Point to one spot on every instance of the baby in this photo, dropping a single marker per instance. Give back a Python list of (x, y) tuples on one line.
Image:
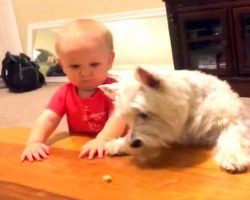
[(85, 52)]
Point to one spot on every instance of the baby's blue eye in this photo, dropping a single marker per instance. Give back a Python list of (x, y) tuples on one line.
[(94, 64), (74, 66)]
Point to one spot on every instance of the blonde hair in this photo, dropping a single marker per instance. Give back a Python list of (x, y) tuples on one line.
[(79, 27)]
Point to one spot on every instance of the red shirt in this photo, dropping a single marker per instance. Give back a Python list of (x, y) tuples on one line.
[(84, 115)]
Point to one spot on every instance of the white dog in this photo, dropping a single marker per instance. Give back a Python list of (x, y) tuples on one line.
[(181, 107)]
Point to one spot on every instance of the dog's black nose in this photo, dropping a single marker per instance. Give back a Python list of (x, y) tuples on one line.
[(135, 143)]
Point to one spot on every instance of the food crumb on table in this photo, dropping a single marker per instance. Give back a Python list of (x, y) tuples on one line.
[(107, 178)]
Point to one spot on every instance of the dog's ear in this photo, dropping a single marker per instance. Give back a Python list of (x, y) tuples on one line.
[(147, 78), (109, 89)]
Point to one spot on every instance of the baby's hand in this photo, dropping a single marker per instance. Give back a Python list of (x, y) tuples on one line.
[(35, 151), (92, 148)]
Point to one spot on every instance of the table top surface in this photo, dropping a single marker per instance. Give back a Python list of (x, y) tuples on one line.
[(189, 173)]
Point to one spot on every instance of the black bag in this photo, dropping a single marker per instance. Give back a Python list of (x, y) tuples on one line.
[(20, 74)]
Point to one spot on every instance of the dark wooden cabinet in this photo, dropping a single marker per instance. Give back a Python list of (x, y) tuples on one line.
[(214, 37), (242, 38)]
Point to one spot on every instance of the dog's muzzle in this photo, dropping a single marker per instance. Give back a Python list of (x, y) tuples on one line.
[(136, 143)]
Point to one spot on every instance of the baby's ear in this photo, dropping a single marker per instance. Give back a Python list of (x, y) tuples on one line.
[(109, 89)]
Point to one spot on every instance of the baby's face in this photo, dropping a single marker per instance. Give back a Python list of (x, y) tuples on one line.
[(86, 63)]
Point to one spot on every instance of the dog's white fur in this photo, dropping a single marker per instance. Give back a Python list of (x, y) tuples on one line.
[(181, 107)]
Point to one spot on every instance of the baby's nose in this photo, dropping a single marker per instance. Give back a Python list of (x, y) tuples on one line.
[(84, 72)]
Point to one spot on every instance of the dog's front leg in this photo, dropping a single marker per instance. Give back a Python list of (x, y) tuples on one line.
[(118, 146), (233, 148)]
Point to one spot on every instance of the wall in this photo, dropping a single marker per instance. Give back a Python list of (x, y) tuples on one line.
[(140, 38), (9, 35), (33, 11), (45, 39)]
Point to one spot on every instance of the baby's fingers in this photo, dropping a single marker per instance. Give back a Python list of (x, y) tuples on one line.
[(23, 156), (92, 153), (46, 148), (26, 155), (42, 154), (88, 151), (101, 152), (29, 157), (84, 152), (36, 156)]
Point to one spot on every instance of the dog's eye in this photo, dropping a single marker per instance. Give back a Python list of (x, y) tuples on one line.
[(143, 115)]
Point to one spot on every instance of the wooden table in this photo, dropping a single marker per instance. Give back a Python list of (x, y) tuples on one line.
[(188, 174)]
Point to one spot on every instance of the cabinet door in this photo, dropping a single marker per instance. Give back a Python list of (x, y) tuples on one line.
[(205, 42), (242, 36)]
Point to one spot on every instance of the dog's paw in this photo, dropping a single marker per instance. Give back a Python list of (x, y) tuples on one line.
[(115, 147), (234, 162)]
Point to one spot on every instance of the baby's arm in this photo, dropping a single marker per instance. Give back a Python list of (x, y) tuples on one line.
[(114, 127), (42, 129)]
